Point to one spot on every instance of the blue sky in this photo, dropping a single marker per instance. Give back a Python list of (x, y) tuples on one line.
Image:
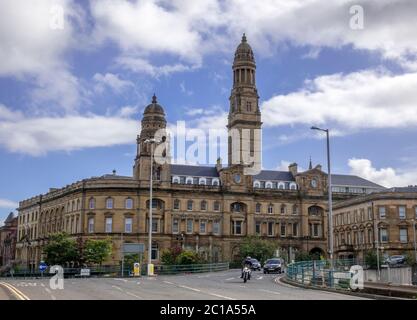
[(72, 94)]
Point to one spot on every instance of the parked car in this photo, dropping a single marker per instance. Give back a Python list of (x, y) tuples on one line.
[(256, 265), (396, 260), (273, 265)]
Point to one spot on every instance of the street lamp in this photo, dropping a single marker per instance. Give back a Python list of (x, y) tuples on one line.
[(151, 141), (329, 177)]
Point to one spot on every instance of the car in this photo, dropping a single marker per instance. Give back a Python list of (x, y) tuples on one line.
[(256, 265), (273, 265), (396, 260)]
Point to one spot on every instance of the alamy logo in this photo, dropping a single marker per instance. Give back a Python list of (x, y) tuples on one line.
[(56, 281), (356, 280), (357, 18)]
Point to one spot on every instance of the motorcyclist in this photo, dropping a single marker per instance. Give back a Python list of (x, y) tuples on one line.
[(247, 262)]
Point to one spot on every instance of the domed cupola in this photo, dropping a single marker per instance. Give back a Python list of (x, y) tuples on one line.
[(244, 53), (153, 116)]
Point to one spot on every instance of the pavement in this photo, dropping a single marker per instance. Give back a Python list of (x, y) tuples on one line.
[(225, 285)]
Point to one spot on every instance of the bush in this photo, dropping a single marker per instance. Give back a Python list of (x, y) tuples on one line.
[(371, 259), (187, 257), (169, 256)]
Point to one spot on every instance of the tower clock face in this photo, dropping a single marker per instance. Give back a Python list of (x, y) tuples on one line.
[(314, 183), (237, 178)]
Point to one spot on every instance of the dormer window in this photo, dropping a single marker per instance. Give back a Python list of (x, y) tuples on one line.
[(268, 185), (176, 179), (293, 186), (202, 181), (189, 180), (256, 184), (281, 185), (215, 182)]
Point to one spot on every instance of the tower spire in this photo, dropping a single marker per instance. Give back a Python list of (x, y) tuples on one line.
[(310, 166)]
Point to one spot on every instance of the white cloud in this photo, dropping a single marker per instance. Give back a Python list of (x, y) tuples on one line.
[(111, 81), (127, 111), (283, 166), (8, 204), (360, 100), (185, 90), (37, 136), (388, 177)]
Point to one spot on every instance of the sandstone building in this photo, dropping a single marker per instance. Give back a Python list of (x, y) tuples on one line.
[(210, 208)]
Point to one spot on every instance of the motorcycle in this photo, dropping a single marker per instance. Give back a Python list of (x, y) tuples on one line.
[(246, 274)]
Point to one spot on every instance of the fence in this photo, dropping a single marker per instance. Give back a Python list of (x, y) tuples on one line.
[(115, 271), (400, 276)]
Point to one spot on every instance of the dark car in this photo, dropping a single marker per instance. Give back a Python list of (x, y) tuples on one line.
[(273, 265), (256, 265)]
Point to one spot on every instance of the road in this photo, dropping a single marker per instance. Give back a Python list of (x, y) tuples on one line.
[(225, 285)]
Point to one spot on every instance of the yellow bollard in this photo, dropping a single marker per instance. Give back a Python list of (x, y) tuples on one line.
[(150, 269), (136, 269)]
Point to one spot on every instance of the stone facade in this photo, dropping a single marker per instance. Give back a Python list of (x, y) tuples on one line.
[(207, 209), (8, 239), (384, 219)]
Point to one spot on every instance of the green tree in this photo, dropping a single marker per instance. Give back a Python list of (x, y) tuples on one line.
[(169, 256), (410, 259), (258, 248), (371, 259), (61, 250), (97, 251), (302, 256), (130, 259), (188, 257)]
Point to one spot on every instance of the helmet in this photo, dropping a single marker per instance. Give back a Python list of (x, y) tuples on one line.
[(248, 257)]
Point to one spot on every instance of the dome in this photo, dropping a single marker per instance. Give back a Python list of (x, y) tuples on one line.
[(244, 51), (154, 107)]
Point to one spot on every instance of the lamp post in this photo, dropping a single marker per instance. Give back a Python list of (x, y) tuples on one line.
[(151, 141), (329, 178)]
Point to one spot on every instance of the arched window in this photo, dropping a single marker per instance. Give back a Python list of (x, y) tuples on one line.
[(281, 185), (268, 185), (176, 179), (109, 203), (283, 209), (237, 207), (190, 205), (78, 204), (92, 203), (270, 208), (73, 206), (202, 180), (203, 205), (256, 184), (315, 211), (215, 182), (129, 203), (258, 208), (189, 180), (293, 186)]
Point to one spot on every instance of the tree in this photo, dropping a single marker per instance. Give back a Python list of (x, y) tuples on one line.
[(302, 256), (371, 259), (188, 257), (97, 251), (257, 248), (169, 256), (61, 250)]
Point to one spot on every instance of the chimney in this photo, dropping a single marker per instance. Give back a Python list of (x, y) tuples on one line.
[(318, 167), (293, 168), (219, 164), (114, 172)]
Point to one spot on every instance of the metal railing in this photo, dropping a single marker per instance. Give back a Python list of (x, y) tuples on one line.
[(318, 274)]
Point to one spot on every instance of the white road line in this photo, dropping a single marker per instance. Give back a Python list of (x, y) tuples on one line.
[(229, 279), (138, 282), (133, 295), (124, 280), (269, 291), (189, 288), (259, 278), (220, 296), (168, 282), (47, 290), (42, 285), (118, 288)]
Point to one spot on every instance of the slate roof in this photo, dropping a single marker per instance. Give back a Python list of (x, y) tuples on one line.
[(197, 171), (348, 180), (274, 175), (403, 189)]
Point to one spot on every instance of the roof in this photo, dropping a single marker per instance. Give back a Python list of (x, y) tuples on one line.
[(9, 217), (187, 170), (403, 189), (348, 180), (274, 175)]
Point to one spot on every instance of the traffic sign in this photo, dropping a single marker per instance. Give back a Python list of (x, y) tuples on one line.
[(43, 266)]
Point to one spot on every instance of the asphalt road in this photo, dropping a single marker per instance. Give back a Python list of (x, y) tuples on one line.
[(225, 285)]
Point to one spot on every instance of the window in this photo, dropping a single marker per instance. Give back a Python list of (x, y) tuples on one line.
[(294, 229), (316, 228), (248, 106), (295, 209), (190, 226), (236, 207), (109, 203), (268, 185), (155, 203), (176, 204), (258, 208), (370, 240), (203, 205), (215, 182), (258, 228), (92, 204), (216, 206), (401, 212), (175, 226), (216, 227), (154, 225), (415, 211), (281, 185), (129, 203), (271, 208), (381, 211), (78, 205), (403, 235), (256, 184), (189, 180), (270, 228), (283, 209), (369, 213), (90, 225), (283, 230), (383, 235), (293, 186), (176, 179), (237, 227), (203, 226), (109, 224), (154, 255), (202, 181), (128, 225), (190, 205)]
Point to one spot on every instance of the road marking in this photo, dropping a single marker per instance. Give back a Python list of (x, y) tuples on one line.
[(229, 279), (220, 296), (278, 281), (124, 280), (42, 285), (133, 295), (118, 288), (168, 282), (189, 288), (19, 294), (269, 291), (259, 278), (47, 290), (138, 282)]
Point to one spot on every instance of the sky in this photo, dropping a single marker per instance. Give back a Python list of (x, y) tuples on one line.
[(75, 77)]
